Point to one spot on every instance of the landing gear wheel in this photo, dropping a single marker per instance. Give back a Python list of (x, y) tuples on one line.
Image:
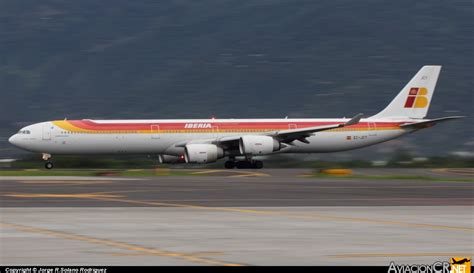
[(49, 165), (257, 164), (229, 164), (243, 164)]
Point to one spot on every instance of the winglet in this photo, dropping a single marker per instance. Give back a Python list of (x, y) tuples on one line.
[(354, 120)]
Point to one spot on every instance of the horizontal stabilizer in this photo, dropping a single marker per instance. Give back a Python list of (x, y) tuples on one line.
[(428, 123)]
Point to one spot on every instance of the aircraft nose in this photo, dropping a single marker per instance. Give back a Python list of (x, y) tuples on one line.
[(13, 140)]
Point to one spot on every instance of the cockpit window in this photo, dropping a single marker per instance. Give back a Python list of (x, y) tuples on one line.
[(24, 132)]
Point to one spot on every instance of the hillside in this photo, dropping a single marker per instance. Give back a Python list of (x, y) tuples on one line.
[(181, 59)]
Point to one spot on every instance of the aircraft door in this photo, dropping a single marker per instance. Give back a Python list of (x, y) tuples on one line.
[(155, 129), (47, 131), (215, 130), (372, 129)]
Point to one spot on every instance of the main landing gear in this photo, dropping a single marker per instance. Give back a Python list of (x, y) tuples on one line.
[(49, 164), (247, 164)]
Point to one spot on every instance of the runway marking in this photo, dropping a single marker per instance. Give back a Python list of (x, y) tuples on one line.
[(121, 245), (292, 215), (195, 254), (372, 255), (64, 182), (237, 173), (250, 175), (52, 195), (463, 171), (161, 190), (309, 199), (62, 178), (463, 186)]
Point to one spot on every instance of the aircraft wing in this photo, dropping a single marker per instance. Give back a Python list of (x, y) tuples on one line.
[(428, 123), (290, 135), (285, 136)]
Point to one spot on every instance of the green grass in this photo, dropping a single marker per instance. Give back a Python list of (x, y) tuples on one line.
[(393, 177)]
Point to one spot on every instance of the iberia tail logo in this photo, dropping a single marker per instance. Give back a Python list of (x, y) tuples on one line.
[(417, 98)]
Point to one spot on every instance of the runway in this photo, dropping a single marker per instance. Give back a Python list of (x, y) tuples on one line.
[(231, 189), (274, 217)]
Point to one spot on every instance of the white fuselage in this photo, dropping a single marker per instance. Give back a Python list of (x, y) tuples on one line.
[(160, 136)]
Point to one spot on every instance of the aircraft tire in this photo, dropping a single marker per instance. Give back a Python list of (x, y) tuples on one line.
[(243, 165), (49, 165), (229, 164), (257, 164)]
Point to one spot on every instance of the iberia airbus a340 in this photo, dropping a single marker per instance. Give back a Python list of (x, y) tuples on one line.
[(239, 140)]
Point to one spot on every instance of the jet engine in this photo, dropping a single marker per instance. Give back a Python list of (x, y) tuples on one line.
[(258, 145), (202, 153), (170, 159)]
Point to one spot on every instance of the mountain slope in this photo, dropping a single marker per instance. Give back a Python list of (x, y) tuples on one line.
[(173, 59)]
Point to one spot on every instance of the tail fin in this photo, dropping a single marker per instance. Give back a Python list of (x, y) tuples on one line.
[(414, 99)]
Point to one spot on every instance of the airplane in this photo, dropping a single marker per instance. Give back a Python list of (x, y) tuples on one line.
[(462, 261), (242, 141)]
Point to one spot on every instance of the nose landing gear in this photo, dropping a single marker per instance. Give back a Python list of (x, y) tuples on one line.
[(49, 164)]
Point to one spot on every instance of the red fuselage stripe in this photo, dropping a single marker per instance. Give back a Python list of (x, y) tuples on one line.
[(277, 125)]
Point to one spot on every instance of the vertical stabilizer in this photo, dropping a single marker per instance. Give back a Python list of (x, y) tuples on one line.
[(414, 99)]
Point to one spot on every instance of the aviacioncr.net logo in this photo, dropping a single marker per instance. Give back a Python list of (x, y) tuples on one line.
[(456, 265), (436, 267)]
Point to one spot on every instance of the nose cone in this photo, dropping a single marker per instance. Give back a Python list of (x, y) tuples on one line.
[(13, 140)]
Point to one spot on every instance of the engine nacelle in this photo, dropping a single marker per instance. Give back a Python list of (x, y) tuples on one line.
[(170, 159), (202, 153), (258, 145)]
